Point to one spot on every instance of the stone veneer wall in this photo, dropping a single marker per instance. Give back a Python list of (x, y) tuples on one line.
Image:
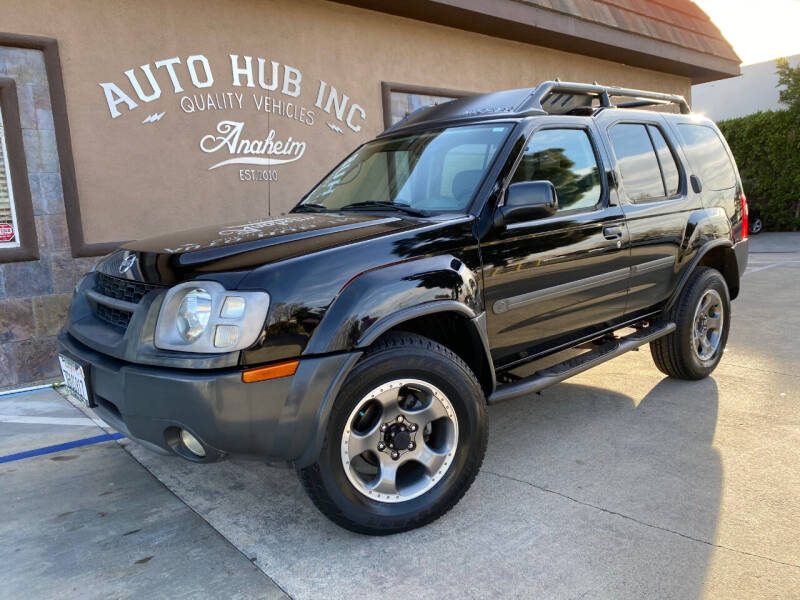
[(34, 295)]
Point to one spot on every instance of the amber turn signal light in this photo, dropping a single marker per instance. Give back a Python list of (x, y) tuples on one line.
[(283, 369)]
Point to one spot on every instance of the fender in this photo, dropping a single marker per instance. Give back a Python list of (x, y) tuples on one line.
[(314, 425), (375, 301), (703, 226), (706, 229), (385, 323), (699, 253)]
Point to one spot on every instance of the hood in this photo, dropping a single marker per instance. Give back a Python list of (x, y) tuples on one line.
[(171, 258)]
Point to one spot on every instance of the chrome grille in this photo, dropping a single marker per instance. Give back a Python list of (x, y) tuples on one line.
[(122, 289), (113, 316), (119, 289)]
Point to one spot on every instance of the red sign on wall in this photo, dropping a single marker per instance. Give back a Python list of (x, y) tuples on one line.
[(6, 232)]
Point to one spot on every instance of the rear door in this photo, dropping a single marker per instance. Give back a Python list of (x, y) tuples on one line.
[(656, 200), (554, 279)]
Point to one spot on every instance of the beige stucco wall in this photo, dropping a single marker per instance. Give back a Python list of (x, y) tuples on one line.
[(137, 179)]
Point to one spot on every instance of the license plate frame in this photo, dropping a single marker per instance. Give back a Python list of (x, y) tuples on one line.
[(76, 379)]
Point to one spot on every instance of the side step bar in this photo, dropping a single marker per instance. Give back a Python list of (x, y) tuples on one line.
[(558, 373)]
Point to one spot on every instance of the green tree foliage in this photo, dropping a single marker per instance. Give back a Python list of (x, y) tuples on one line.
[(789, 79), (766, 146)]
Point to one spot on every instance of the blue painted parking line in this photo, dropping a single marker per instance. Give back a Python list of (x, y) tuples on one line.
[(59, 447), (12, 393)]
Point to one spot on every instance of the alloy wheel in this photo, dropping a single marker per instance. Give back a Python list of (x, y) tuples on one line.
[(399, 440), (708, 324)]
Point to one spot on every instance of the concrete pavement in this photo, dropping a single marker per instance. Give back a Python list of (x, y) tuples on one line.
[(620, 483), (90, 522)]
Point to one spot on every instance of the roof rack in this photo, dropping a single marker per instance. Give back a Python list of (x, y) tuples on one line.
[(604, 93), (548, 98)]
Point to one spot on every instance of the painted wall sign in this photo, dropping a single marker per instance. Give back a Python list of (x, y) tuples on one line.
[(245, 85)]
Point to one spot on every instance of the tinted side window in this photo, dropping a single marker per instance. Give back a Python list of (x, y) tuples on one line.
[(641, 176), (564, 157), (669, 168), (708, 156)]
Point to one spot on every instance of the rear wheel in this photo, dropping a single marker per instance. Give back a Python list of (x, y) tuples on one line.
[(702, 315), (405, 439)]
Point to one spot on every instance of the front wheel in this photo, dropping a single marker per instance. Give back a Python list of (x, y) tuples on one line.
[(756, 225), (405, 438), (702, 315)]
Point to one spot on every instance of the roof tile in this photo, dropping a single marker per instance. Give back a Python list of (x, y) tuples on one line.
[(679, 22)]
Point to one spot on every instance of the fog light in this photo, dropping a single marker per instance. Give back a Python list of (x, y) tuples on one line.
[(192, 444), (226, 335)]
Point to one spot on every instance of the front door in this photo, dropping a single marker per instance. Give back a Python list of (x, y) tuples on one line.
[(558, 278)]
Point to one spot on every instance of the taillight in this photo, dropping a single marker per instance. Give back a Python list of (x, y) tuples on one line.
[(745, 216)]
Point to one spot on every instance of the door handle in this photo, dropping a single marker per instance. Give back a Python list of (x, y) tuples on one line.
[(612, 232)]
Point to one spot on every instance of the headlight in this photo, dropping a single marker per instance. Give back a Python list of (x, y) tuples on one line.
[(202, 316), (193, 314)]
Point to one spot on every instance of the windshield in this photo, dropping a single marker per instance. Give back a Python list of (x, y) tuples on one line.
[(431, 171)]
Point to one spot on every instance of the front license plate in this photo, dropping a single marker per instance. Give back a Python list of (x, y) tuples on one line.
[(75, 378)]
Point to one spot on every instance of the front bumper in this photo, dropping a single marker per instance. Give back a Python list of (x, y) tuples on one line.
[(280, 419)]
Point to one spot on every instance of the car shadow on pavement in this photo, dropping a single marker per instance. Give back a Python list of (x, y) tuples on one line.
[(582, 489), (651, 462)]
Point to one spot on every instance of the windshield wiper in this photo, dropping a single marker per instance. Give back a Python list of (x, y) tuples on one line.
[(390, 205), (310, 207)]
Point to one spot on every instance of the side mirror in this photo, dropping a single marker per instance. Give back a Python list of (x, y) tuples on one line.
[(526, 201)]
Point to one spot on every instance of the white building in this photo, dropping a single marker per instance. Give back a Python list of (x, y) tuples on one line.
[(754, 90)]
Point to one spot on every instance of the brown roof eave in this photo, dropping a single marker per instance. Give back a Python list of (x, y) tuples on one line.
[(524, 22)]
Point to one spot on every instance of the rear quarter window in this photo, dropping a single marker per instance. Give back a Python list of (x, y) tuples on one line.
[(638, 165), (708, 156), (669, 168)]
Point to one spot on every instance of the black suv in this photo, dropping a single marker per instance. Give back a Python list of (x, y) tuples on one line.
[(479, 250)]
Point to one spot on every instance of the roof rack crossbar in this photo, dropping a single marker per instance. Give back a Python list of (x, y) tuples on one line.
[(639, 102), (604, 94)]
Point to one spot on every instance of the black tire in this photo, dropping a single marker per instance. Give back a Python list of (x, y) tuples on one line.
[(675, 354), (756, 226), (398, 356)]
